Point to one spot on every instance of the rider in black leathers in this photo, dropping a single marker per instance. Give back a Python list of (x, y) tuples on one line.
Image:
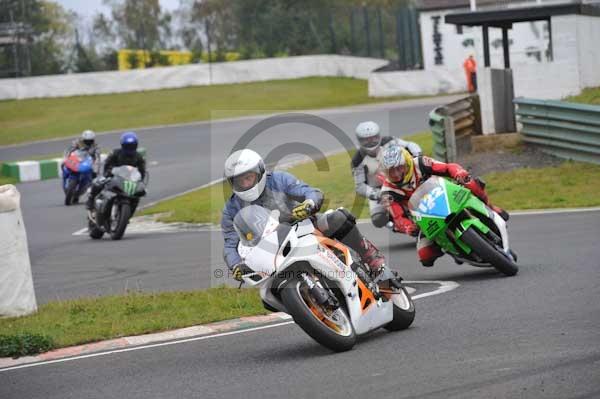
[(126, 155)]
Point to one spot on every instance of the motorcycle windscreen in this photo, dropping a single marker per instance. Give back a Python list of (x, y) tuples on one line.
[(259, 244), (86, 163), (127, 172), (430, 199), (251, 222), (73, 160)]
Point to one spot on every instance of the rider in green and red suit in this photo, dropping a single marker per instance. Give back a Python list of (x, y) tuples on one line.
[(402, 174)]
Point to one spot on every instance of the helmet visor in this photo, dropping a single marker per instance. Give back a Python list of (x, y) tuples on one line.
[(396, 173), (245, 181), (129, 148), (369, 142), (88, 143)]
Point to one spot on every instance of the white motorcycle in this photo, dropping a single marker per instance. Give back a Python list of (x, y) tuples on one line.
[(316, 280)]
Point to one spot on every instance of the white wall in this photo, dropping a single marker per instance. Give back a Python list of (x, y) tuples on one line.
[(526, 37), (413, 83), (575, 65), (555, 80), (588, 44), (188, 75)]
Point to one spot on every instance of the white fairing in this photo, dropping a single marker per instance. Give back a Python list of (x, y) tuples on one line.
[(502, 228), (267, 260)]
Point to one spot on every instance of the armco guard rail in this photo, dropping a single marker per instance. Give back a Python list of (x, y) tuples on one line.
[(563, 129), (452, 126)]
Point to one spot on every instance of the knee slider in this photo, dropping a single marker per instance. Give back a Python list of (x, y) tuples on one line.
[(339, 223), (379, 219)]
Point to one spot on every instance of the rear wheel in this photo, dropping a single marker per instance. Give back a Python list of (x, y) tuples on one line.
[(120, 221), (489, 252), (70, 192), (404, 310), (329, 327)]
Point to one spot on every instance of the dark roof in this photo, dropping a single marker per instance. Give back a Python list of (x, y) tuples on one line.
[(506, 17), (429, 5)]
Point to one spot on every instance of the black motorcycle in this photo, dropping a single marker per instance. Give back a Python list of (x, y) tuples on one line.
[(117, 201)]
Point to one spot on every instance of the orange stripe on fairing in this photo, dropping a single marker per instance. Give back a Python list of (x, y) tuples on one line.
[(330, 243), (366, 294)]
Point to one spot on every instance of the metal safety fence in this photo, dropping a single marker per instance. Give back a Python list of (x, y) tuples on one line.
[(563, 129), (452, 126)]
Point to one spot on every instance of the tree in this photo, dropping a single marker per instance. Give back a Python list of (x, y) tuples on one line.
[(140, 24), (50, 34)]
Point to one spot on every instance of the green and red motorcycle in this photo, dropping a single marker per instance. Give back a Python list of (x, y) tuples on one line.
[(462, 225)]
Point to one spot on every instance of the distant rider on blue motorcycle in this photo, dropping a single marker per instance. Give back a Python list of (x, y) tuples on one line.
[(86, 142)]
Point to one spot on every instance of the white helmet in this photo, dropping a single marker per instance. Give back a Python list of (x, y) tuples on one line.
[(245, 171), (88, 137), (368, 137)]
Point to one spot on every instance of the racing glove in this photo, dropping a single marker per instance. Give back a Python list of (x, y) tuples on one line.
[(462, 177), (303, 210), (375, 195), (239, 270)]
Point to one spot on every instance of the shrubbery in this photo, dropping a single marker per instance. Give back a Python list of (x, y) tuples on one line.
[(24, 344)]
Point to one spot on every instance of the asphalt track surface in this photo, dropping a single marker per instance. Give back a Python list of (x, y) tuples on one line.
[(535, 335), (181, 158)]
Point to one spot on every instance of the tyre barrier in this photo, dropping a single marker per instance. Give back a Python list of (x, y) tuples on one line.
[(17, 295)]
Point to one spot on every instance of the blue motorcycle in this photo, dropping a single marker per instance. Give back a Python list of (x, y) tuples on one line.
[(77, 175)]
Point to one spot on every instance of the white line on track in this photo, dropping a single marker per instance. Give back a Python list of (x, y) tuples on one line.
[(445, 286)]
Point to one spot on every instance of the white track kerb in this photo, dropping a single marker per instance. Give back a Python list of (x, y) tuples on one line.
[(180, 336)]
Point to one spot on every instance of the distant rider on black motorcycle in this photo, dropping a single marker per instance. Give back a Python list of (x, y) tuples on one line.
[(126, 155)]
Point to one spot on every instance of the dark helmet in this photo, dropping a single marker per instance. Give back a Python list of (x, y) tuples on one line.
[(129, 143)]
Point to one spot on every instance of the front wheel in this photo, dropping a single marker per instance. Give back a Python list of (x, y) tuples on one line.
[(70, 192), (120, 221), (330, 328), (488, 252), (404, 311)]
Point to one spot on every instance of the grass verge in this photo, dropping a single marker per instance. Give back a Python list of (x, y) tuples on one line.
[(571, 184), (40, 119), (66, 323), (6, 179), (587, 96)]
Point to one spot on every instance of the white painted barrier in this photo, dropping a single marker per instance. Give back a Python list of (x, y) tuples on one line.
[(188, 75), (417, 83), (17, 296)]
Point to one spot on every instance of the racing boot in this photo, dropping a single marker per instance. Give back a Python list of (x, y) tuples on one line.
[(371, 256), (374, 259), (428, 252)]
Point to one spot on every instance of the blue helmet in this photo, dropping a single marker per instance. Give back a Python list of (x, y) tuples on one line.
[(129, 143)]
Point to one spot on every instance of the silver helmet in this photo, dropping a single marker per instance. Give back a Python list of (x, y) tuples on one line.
[(369, 137), (88, 137), (245, 172)]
